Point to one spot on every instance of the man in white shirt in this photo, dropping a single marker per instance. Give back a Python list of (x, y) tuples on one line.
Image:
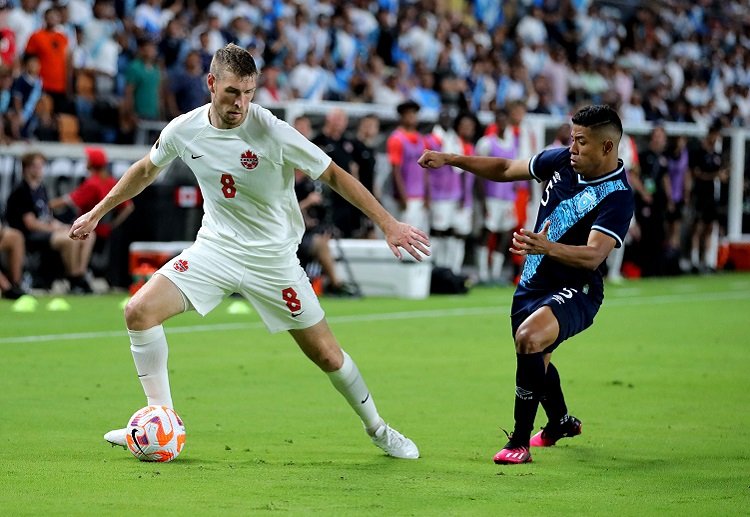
[(244, 159)]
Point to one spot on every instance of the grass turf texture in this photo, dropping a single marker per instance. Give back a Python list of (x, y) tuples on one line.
[(660, 381)]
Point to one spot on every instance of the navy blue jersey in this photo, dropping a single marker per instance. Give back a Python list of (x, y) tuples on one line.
[(575, 206)]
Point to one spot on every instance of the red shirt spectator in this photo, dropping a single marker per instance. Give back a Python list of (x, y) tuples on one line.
[(94, 189)]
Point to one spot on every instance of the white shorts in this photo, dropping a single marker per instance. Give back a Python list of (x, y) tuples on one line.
[(501, 215), (442, 214), (283, 297), (463, 220), (416, 215)]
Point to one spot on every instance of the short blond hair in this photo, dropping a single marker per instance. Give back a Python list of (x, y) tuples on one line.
[(234, 59)]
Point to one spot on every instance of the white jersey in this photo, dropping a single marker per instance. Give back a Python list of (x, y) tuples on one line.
[(246, 176)]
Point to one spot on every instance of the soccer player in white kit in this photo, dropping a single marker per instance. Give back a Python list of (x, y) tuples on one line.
[(244, 159)]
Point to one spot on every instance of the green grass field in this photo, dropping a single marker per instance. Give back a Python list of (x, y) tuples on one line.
[(660, 381)]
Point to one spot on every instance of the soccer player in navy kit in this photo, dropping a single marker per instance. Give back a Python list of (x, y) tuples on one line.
[(584, 213)]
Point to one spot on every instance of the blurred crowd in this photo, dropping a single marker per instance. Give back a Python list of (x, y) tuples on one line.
[(77, 70), (92, 70)]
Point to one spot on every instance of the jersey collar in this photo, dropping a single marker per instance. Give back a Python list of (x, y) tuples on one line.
[(606, 177)]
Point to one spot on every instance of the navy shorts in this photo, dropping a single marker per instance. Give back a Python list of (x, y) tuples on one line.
[(574, 308)]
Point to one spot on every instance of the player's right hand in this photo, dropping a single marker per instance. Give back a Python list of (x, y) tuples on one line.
[(432, 159), (83, 226)]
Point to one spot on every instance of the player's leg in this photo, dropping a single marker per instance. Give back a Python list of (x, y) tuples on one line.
[(319, 344), (155, 302), (441, 213), (461, 228), (533, 336), (198, 278), (158, 300), (559, 423), (12, 243), (574, 310)]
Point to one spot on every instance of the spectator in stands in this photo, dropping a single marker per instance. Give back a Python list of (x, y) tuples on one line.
[(8, 123), (173, 45), (272, 89), (386, 89), (144, 83), (405, 145), (7, 37), (101, 48), (150, 18), (25, 20), (309, 80), (13, 248), (26, 93), (52, 47), (28, 211), (424, 91), (186, 88)]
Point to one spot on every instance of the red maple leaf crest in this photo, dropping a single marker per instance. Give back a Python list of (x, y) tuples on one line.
[(180, 265), (249, 160)]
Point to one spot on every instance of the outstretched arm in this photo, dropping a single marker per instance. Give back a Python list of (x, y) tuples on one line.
[(590, 256), (397, 234), (138, 176), (488, 167)]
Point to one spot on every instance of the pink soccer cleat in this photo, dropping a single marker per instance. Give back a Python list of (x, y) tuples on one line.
[(513, 452), (568, 427), (512, 455)]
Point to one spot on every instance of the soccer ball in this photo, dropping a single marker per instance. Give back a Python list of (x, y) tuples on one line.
[(155, 433)]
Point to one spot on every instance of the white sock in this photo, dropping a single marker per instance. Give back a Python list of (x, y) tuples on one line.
[(149, 349), (458, 246), (614, 262), (483, 255), (498, 259), (439, 250), (349, 382)]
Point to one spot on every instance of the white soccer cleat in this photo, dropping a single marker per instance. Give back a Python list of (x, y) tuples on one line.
[(394, 443), (117, 437)]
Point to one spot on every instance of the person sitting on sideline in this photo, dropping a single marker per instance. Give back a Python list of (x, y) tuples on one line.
[(28, 210)]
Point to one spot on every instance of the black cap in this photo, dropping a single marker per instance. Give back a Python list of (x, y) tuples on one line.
[(409, 105)]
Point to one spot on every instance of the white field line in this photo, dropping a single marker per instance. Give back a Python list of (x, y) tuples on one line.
[(500, 309)]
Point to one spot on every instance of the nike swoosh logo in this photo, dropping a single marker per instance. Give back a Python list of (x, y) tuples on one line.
[(133, 433), (298, 314), (194, 157), (367, 397), (142, 375)]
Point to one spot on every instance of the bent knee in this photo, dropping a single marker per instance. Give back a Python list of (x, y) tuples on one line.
[(138, 316), (528, 341)]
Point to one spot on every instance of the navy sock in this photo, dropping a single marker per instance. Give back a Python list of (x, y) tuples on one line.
[(529, 389), (553, 400)]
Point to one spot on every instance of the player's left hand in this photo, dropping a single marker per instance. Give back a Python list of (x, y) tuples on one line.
[(413, 240), (526, 242)]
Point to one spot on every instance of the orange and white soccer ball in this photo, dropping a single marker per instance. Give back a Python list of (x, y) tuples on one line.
[(155, 433)]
